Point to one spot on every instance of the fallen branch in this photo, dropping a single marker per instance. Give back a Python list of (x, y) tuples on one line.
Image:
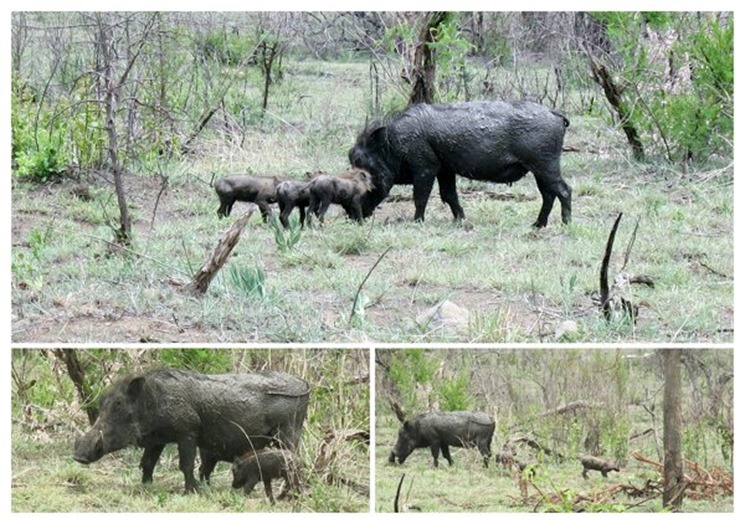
[(534, 445), (699, 483), (201, 281), (571, 407)]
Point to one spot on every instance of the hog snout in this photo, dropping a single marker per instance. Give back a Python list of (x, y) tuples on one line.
[(86, 451)]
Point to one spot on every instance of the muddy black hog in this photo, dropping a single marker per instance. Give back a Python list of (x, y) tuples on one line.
[(439, 430), (244, 188), (292, 194), (346, 189), (590, 463), (492, 141), (265, 465), (222, 415)]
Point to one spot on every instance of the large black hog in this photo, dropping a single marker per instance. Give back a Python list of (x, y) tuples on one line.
[(491, 141), (439, 430), (263, 466), (222, 415), (244, 188)]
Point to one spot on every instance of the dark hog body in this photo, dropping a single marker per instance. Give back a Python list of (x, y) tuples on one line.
[(221, 415), (262, 191), (292, 194), (438, 431), (590, 463), (346, 189), (491, 141), (265, 466)]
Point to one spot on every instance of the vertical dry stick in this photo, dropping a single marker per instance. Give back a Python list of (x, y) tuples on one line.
[(359, 289), (604, 289), (398, 493)]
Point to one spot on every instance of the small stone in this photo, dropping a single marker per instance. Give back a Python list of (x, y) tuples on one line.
[(444, 314), (567, 329)]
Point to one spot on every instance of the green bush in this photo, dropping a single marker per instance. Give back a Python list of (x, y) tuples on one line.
[(226, 48), (680, 95), (453, 393), (38, 153), (201, 360), (251, 281)]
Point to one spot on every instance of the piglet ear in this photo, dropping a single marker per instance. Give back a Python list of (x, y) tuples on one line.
[(135, 387)]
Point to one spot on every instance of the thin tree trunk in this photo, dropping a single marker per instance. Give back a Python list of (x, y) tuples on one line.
[(124, 234), (613, 93), (77, 374), (268, 54), (424, 68), (674, 482)]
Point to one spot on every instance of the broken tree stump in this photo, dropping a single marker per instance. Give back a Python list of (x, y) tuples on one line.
[(616, 300), (219, 255)]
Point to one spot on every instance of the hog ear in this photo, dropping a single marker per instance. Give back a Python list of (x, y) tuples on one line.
[(135, 387), (407, 425), (378, 134)]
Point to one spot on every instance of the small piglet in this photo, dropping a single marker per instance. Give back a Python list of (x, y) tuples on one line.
[(265, 465)]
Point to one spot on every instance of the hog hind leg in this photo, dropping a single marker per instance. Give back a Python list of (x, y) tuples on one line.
[(323, 207), (552, 185), (285, 209), (268, 489), (446, 454), (449, 194), (187, 453), (209, 461), (484, 447), (290, 479)]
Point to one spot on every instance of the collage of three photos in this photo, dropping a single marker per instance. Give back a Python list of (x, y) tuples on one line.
[(372, 262)]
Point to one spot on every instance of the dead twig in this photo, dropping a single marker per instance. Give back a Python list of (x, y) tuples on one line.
[(398, 493), (353, 314)]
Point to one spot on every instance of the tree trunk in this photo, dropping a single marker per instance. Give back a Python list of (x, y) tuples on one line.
[(105, 42), (269, 52), (19, 32), (674, 483), (424, 67), (613, 93), (77, 374)]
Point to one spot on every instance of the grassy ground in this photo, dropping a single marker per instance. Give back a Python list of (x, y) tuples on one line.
[(517, 283), (468, 487), (46, 479)]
